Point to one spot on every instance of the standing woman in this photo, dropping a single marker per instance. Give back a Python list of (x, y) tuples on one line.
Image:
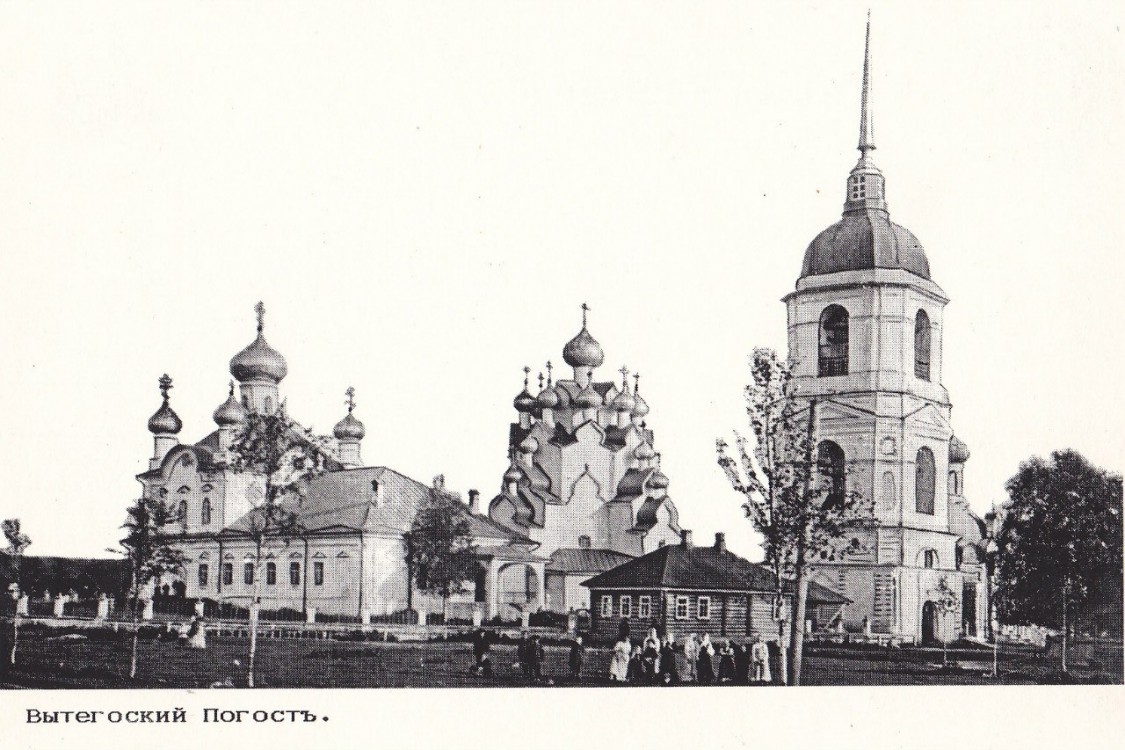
[(691, 654), (619, 662), (636, 673), (669, 675), (726, 663), (705, 669), (650, 654)]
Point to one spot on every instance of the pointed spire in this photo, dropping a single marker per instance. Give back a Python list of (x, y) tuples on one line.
[(866, 129)]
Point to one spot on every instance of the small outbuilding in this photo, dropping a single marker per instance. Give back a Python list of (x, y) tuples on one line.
[(681, 589)]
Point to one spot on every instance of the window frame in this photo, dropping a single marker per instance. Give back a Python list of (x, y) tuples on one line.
[(295, 573), (685, 603), (626, 605), (205, 512), (227, 574), (923, 346), (248, 573), (271, 574), (607, 606), (644, 606), (318, 573), (925, 485), (703, 607), (833, 340), (204, 575)]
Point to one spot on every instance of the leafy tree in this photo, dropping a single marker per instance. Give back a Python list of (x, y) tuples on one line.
[(790, 499), (285, 455), (17, 543), (150, 553), (1060, 535), (440, 551)]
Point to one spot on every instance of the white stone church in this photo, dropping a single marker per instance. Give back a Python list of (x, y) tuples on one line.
[(865, 327)]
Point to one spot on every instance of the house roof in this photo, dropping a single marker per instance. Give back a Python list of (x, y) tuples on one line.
[(585, 560), (701, 568)]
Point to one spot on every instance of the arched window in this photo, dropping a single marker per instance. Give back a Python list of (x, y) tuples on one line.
[(205, 512), (953, 490), (924, 483), (833, 341), (890, 497), (922, 345), (830, 462), (929, 559), (181, 512)]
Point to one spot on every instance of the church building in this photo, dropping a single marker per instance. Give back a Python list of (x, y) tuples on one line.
[(348, 557), (866, 332), (584, 480)]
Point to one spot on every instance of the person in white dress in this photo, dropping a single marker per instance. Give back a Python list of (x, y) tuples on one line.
[(619, 663)]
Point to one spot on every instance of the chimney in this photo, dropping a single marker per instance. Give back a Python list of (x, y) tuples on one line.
[(720, 541), (685, 538), (474, 501)]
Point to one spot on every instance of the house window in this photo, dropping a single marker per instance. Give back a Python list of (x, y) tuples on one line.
[(929, 559), (271, 573), (924, 481), (681, 607), (205, 512), (830, 460), (607, 606), (584, 542), (228, 574), (294, 574), (204, 575), (318, 574), (922, 345), (248, 573), (626, 606), (704, 608), (833, 350), (644, 607)]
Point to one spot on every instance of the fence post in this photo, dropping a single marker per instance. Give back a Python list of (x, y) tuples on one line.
[(148, 610), (310, 615), (103, 607), (22, 606), (60, 604)]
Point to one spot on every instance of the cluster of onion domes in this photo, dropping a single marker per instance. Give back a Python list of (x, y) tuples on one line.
[(165, 421)]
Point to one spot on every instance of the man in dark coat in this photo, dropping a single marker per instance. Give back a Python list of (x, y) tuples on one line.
[(535, 651), (482, 664), (523, 653), (577, 656), (669, 674)]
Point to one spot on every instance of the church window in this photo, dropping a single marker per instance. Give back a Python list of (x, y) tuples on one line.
[(953, 488), (958, 557), (205, 512), (271, 573), (626, 606), (890, 497), (294, 574), (228, 574), (681, 607), (584, 542), (704, 608), (833, 341), (204, 575), (831, 464), (607, 606), (644, 607), (924, 481), (248, 573), (181, 512), (929, 559), (922, 345), (269, 405), (318, 574)]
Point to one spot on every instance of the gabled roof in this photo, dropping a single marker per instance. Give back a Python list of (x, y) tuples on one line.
[(699, 568), (585, 560)]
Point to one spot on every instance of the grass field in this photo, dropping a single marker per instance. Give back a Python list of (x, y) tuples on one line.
[(103, 663)]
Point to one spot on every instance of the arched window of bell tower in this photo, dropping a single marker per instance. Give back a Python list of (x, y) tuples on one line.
[(922, 345), (833, 350), (924, 481), (831, 465)]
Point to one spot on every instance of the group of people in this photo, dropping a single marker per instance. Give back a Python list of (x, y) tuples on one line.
[(654, 661), (529, 656)]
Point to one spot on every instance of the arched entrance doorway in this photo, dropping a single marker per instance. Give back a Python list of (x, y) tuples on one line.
[(929, 623), (517, 589)]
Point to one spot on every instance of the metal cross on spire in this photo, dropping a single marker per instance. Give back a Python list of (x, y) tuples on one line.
[(526, 375), (260, 311), (636, 382), (585, 309), (165, 385), (549, 368), (350, 401), (231, 391), (624, 376), (866, 128), (540, 381)]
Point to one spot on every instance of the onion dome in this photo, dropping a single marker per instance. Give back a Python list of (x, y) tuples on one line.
[(165, 421), (865, 237), (513, 474), (230, 412), (640, 406), (958, 451), (565, 401), (583, 350), (588, 398), (624, 400), (349, 428), (524, 401), (259, 361), (529, 445), (548, 398), (644, 452), (658, 481)]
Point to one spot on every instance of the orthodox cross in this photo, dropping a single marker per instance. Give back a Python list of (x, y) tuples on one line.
[(636, 382), (624, 377), (165, 386), (350, 401), (260, 311), (549, 368), (585, 309), (526, 373), (540, 381), (231, 392)]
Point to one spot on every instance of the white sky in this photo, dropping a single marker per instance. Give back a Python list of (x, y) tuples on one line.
[(424, 195)]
